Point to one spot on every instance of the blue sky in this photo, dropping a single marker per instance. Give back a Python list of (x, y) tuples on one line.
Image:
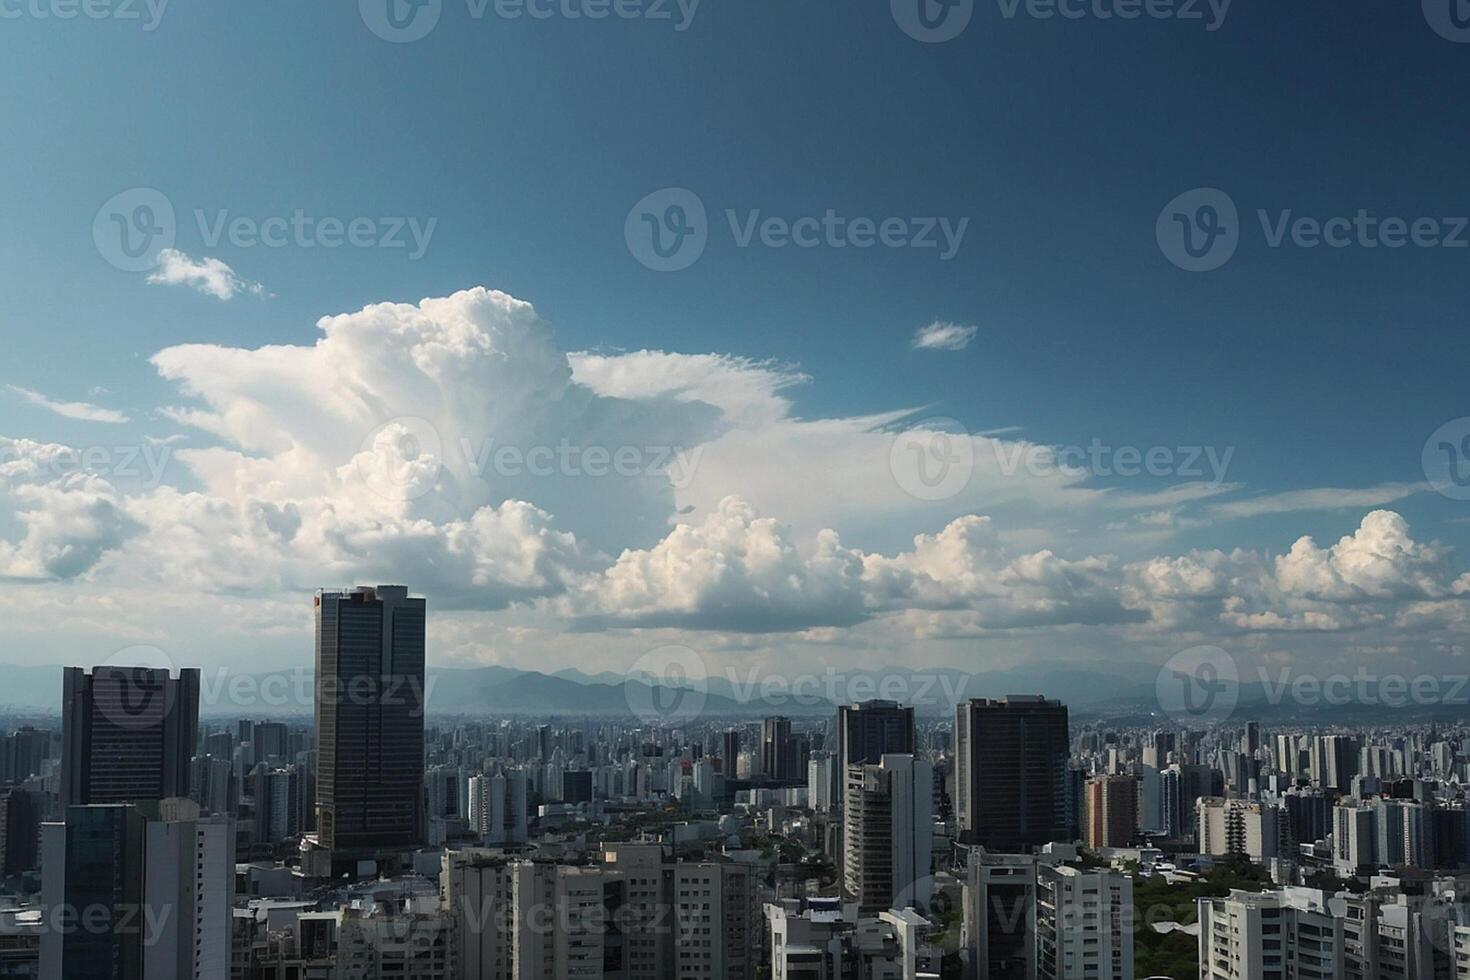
[(527, 141)]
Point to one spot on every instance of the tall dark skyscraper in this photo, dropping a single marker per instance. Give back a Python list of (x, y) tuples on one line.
[(778, 757), (866, 732), (1011, 772), (369, 721), (730, 751), (268, 740), (127, 734)]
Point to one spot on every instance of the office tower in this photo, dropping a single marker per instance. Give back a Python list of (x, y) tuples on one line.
[(115, 862), (1112, 811), (369, 722), (23, 752), (212, 784), (20, 826), (221, 745), (866, 732), (268, 739), (888, 834), (1011, 772), (444, 784), (128, 734), (730, 752), (576, 786), (1171, 803), (1000, 915), (1308, 814), (1084, 924), (1334, 762), (277, 807), (778, 759)]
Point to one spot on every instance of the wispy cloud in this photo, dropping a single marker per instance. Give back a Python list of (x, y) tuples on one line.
[(72, 410), (940, 335), (1317, 498), (209, 276)]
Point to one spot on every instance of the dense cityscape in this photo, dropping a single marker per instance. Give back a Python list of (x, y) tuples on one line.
[(683, 490), (1003, 840)]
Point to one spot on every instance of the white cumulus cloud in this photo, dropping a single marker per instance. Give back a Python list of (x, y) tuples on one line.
[(207, 275)]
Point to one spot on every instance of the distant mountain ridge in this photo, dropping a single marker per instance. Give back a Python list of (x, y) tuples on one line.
[(1125, 691), (497, 689)]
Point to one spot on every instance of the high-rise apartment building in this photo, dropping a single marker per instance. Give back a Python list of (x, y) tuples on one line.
[(1240, 828), (888, 834), (566, 922), (1011, 772), (1112, 811), (498, 807), (1084, 924)]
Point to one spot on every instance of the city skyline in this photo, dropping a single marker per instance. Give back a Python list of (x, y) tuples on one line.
[(693, 490)]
